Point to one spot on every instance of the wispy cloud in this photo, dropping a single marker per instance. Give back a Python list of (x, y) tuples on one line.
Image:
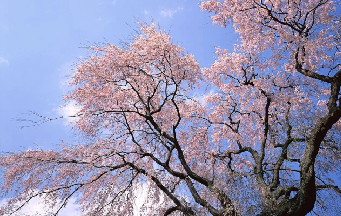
[(200, 99), (170, 12), (3, 61), (146, 12), (37, 207), (68, 112), (68, 109), (201, 96), (142, 203)]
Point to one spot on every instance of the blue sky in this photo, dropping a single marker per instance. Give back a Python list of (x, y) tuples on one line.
[(40, 40)]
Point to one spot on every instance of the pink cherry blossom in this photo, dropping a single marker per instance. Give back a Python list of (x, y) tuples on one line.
[(265, 142)]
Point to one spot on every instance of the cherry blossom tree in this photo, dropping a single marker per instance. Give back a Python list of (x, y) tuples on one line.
[(265, 142)]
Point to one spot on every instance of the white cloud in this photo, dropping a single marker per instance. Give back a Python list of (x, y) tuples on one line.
[(200, 96), (37, 207), (200, 99), (146, 12), (143, 197), (99, 19), (68, 111), (170, 12), (2, 60)]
